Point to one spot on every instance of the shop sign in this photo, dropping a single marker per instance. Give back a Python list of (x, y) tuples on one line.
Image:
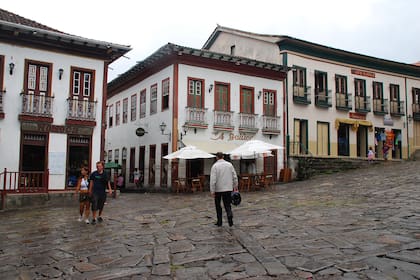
[(388, 120)]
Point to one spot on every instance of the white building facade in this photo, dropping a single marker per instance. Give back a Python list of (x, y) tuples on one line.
[(338, 103), (53, 88), (182, 96)]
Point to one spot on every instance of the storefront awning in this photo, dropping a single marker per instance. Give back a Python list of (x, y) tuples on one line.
[(211, 146), (354, 123)]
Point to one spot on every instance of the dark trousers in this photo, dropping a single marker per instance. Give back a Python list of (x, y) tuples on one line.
[(226, 196)]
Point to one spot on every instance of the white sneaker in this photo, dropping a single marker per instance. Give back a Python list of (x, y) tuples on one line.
[(80, 219), (87, 221)]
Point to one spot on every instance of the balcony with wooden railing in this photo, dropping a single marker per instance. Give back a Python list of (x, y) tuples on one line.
[(380, 106), (271, 125), (323, 98), (196, 117), (343, 101), (248, 122), (396, 108), (362, 104), (301, 94), (223, 120), (82, 110)]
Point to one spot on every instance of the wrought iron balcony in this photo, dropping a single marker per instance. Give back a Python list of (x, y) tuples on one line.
[(37, 105), (81, 109), (396, 107), (247, 122), (323, 98), (343, 101), (362, 104), (223, 120), (271, 125), (301, 94), (380, 106), (196, 116), (416, 111), (2, 92)]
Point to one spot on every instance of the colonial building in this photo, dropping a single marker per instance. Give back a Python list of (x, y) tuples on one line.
[(339, 103), (52, 97), (183, 96)]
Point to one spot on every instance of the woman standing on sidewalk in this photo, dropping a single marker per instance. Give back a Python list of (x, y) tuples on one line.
[(82, 188)]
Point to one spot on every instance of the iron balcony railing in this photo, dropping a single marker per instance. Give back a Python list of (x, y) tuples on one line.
[(362, 104), (271, 124), (380, 106), (416, 111), (196, 115), (2, 92), (301, 94), (343, 101), (247, 121), (37, 105), (323, 98), (223, 119), (81, 109), (396, 107)]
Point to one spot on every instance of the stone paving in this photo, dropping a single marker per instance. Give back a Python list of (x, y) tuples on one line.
[(361, 224)]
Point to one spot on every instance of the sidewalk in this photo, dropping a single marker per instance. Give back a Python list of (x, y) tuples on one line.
[(361, 224)]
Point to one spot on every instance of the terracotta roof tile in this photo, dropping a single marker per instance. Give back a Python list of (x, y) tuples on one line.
[(14, 18)]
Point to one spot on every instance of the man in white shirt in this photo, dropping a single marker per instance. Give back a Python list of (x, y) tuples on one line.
[(223, 180)]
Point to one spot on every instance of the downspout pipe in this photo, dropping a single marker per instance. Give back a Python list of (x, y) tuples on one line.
[(286, 140), (406, 118)]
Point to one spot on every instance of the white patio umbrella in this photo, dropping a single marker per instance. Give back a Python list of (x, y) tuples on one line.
[(253, 149), (189, 152)]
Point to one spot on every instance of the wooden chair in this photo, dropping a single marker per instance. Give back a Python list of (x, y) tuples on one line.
[(196, 184), (180, 185), (245, 183), (266, 180)]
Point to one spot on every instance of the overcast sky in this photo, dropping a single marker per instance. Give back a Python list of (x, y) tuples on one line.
[(387, 29)]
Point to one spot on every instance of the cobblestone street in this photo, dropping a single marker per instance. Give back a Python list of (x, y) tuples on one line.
[(361, 224)]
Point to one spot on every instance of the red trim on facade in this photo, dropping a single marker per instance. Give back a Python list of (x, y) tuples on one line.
[(208, 63), (80, 122), (103, 113), (35, 118), (175, 107)]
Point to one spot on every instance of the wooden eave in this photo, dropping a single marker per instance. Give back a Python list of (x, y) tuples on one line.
[(171, 54)]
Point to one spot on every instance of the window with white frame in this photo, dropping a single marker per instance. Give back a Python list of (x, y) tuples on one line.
[(110, 115), (269, 97), (125, 110), (117, 112), (117, 155), (143, 103), (153, 99), (133, 107), (195, 93), (165, 94), (109, 155)]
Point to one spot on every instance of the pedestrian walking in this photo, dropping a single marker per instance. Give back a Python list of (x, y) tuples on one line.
[(136, 177), (385, 151), (370, 155), (99, 181), (82, 188), (120, 181), (223, 180)]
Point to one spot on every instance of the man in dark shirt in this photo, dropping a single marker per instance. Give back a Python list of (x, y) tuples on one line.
[(99, 181)]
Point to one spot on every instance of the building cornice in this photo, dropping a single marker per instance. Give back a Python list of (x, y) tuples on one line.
[(29, 36), (171, 54)]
